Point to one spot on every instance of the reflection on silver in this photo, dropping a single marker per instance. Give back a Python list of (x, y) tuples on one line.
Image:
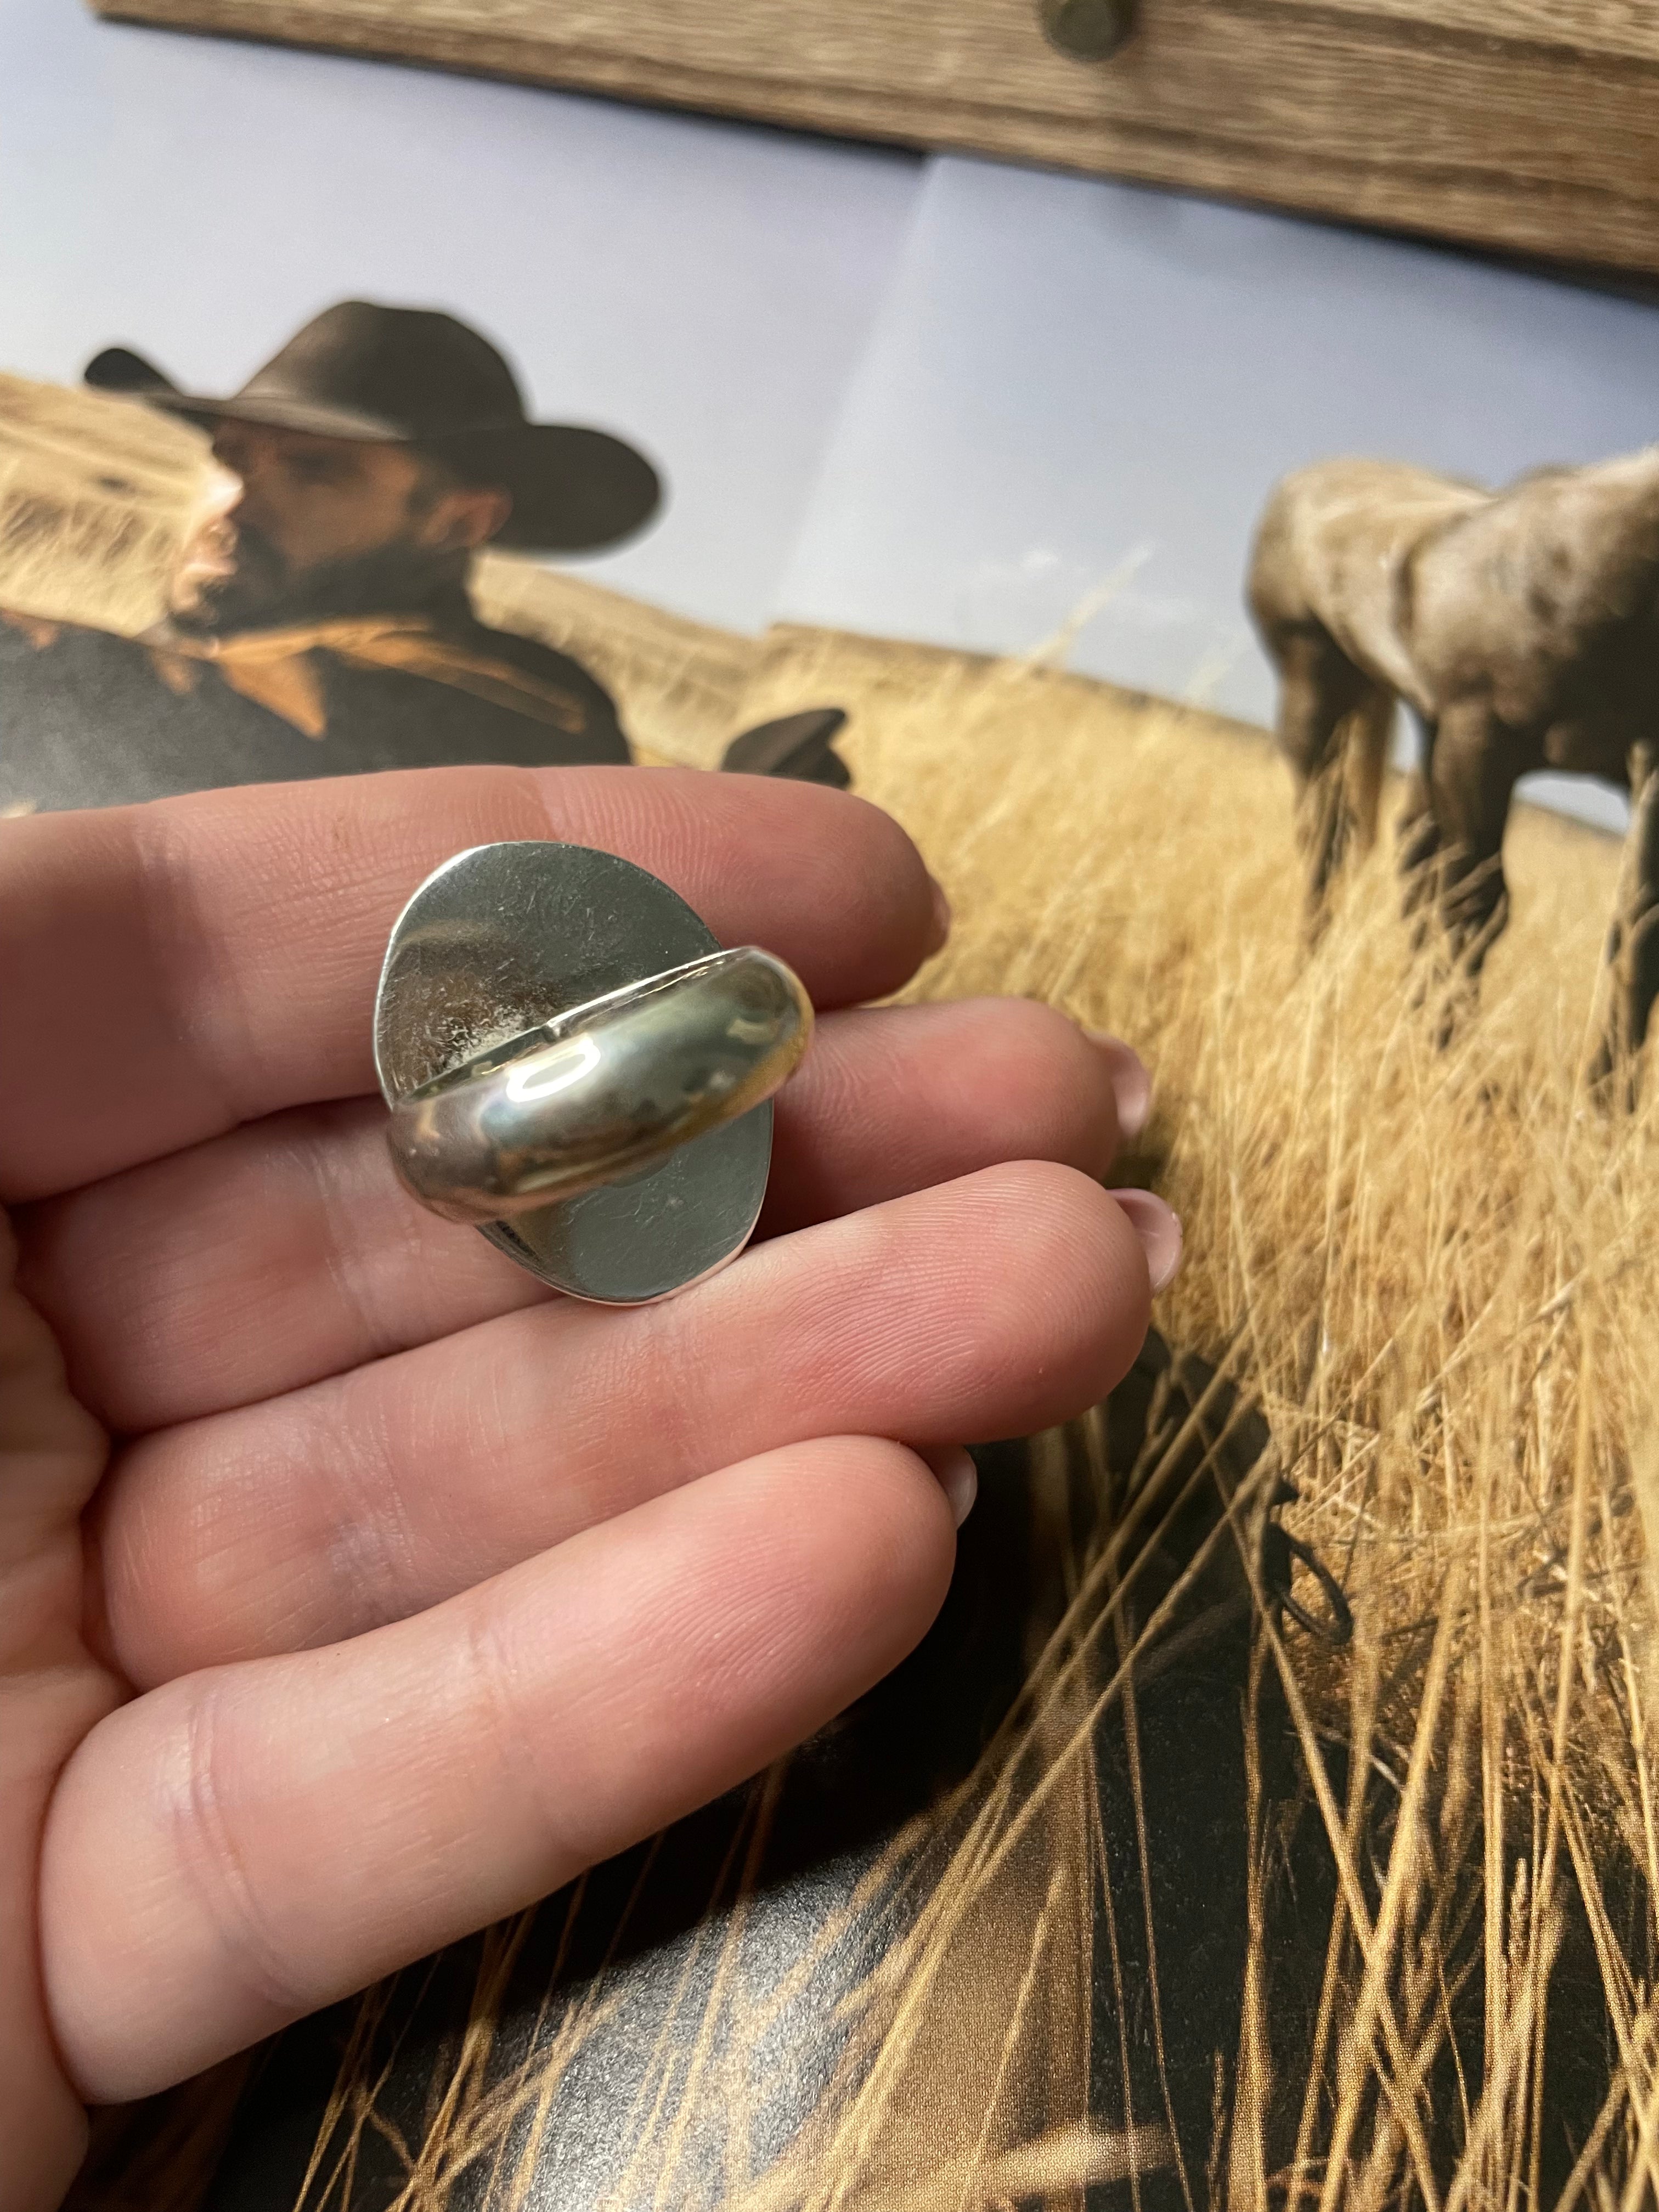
[(573, 1065), (596, 1094)]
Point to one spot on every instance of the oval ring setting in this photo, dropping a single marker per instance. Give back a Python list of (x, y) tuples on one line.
[(575, 1067)]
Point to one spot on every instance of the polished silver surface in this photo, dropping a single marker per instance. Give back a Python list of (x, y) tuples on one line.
[(527, 968), (598, 1093)]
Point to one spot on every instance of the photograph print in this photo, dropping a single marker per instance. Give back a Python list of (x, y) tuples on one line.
[(1252, 623)]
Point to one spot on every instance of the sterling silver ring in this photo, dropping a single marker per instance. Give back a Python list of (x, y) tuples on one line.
[(575, 1067), (594, 1094)]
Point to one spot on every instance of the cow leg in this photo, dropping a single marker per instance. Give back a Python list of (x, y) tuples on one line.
[(1418, 839), (1319, 689), (1366, 749), (1640, 949), (1416, 844), (1471, 778), (1633, 941)]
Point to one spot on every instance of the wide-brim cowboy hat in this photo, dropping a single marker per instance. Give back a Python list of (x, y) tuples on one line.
[(415, 376)]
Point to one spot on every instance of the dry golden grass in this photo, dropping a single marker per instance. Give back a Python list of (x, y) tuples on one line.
[(95, 493), (1433, 1254), (1435, 1272), (678, 682)]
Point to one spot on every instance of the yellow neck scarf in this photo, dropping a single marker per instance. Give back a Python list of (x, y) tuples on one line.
[(273, 668)]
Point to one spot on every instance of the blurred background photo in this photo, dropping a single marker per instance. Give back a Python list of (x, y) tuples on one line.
[(1079, 393)]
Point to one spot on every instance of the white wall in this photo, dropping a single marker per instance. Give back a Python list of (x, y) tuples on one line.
[(1075, 380), (1007, 386)]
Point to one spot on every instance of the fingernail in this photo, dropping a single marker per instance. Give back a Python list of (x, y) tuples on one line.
[(1159, 1229), (958, 1477), (1131, 1087), (941, 917)]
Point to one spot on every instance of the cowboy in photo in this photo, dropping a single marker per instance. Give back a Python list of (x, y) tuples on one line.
[(319, 619)]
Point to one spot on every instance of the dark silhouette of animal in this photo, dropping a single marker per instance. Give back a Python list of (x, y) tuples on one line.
[(1521, 627)]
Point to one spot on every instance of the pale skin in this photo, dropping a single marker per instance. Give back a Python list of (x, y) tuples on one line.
[(312, 502), (407, 1589)]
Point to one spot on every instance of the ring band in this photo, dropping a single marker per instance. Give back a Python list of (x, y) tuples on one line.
[(604, 1090)]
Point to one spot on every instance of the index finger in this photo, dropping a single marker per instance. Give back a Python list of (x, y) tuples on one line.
[(171, 969)]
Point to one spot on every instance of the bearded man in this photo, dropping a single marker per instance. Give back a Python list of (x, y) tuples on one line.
[(318, 618)]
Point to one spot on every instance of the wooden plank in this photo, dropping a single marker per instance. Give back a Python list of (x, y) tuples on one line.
[(1584, 28), (1530, 125)]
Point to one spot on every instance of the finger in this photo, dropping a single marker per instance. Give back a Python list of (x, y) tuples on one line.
[(897, 1098), (51, 1455), (989, 1307), (252, 1842), (181, 966), (287, 1251)]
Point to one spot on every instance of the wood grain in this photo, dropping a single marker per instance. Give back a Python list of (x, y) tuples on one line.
[(1530, 125), (1581, 27)]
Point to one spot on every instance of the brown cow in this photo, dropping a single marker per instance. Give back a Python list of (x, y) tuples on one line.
[(1521, 627)]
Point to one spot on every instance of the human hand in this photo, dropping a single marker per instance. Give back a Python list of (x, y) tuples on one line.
[(406, 1588)]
